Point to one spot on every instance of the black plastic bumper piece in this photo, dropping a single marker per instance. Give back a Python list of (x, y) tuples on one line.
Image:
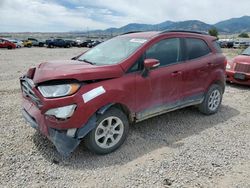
[(65, 145)]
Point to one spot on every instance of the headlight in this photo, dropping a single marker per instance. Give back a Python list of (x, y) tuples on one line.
[(62, 112), (228, 66), (58, 90)]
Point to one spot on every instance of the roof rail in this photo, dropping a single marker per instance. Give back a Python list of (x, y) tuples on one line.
[(185, 31), (130, 32)]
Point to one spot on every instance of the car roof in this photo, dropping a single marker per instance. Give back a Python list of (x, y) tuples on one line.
[(152, 34), (147, 34)]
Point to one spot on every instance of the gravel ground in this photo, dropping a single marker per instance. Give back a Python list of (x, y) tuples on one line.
[(179, 149)]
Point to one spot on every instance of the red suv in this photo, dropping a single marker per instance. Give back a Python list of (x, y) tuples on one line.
[(127, 79)]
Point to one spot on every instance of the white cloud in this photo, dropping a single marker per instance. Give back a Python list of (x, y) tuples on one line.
[(55, 15), (26, 15), (150, 11)]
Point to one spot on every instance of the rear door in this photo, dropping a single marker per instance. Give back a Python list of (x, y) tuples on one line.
[(198, 62)]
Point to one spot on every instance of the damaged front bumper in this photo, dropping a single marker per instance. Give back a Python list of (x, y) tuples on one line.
[(64, 144)]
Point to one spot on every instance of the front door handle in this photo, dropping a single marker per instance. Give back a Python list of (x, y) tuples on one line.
[(210, 64), (176, 73)]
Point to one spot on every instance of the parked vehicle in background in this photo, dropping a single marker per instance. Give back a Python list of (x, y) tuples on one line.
[(18, 43), (27, 43), (238, 44), (78, 42), (223, 44), (127, 79), (48, 41), (86, 43), (238, 70), (72, 42), (226, 43), (93, 44), (36, 42), (4, 43), (58, 43), (230, 44)]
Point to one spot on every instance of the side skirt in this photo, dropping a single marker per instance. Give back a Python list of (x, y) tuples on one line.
[(162, 109)]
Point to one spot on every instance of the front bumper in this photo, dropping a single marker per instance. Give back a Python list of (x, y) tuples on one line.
[(63, 143), (231, 77)]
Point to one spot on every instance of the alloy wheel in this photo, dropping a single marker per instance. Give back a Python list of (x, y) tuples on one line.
[(109, 132)]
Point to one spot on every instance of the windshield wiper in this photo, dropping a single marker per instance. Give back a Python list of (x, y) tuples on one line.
[(246, 54), (85, 60)]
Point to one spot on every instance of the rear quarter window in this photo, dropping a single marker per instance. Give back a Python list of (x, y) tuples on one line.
[(196, 48), (217, 47)]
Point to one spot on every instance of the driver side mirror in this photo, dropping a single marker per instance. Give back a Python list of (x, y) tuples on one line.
[(148, 65)]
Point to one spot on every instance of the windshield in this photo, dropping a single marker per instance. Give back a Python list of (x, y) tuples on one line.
[(246, 51), (112, 51)]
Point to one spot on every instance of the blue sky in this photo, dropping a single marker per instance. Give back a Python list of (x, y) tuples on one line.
[(82, 15)]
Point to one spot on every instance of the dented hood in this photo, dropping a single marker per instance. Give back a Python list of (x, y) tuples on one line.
[(71, 69)]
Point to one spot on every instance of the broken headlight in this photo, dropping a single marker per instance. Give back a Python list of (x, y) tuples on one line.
[(62, 112)]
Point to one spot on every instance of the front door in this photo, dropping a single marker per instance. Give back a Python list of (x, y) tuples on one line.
[(161, 88)]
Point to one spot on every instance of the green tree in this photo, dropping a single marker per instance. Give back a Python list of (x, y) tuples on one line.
[(243, 35), (213, 32)]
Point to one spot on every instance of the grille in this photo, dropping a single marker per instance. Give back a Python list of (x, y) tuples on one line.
[(242, 68), (27, 85)]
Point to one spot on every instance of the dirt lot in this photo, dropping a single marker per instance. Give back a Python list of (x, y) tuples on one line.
[(178, 149)]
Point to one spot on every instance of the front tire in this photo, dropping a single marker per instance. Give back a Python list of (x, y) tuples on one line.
[(110, 132), (212, 100)]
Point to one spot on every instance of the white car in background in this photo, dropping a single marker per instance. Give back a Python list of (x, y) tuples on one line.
[(18, 43)]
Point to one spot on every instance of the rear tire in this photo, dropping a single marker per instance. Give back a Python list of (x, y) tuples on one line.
[(212, 100), (110, 132), (9, 47)]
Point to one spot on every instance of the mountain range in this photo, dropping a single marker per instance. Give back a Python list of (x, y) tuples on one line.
[(233, 25)]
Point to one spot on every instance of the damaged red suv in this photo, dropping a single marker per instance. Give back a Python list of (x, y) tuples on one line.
[(127, 79)]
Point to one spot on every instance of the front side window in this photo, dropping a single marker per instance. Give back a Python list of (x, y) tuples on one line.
[(166, 51), (196, 48), (112, 51)]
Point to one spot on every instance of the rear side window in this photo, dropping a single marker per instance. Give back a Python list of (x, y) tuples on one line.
[(196, 48), (166, 51), (217, 47)]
